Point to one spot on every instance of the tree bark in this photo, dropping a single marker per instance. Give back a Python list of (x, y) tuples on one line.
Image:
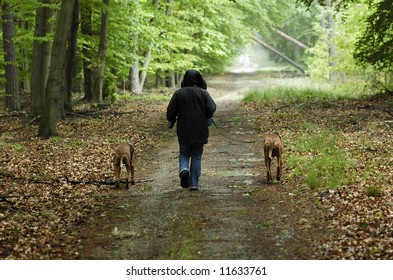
[(25, 65), (12, 100), (278, 53), (54, 105), (134, 75), (289, 38), (87, 31), (41, 58), (71, 58), (99, 71), (331, 44), (138, 76)]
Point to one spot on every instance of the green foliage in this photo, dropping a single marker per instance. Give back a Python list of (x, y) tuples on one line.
[(207, 35), (318, 56), (320, 162), (375, 45), (109, 89), (211, 32), (347, 33), (302, 93), (296, 21), (374, 191), (348, 26)]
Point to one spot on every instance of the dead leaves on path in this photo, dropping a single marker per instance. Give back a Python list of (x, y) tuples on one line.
[(364, 224), (361, 213), (41, 207)]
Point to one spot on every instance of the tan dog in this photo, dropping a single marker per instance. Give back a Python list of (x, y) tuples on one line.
[(273, 147), (124, 153)]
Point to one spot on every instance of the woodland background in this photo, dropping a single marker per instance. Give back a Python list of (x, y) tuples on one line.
[(77, 74), (53, 48)]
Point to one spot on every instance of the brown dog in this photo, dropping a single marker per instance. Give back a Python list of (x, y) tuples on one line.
[(273, 147), (124, 153)]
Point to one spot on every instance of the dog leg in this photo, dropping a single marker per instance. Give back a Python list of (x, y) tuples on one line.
[(132, 174), (273, 147), (116, 164), (132, 163), (127, 163), (268, 163), (279, 167)]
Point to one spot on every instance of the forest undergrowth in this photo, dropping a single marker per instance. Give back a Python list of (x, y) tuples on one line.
[(50, 187), (341, 152)]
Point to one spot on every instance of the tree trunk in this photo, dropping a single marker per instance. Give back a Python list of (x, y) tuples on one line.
[(331, 44), (54, 105), (134, 76), (289, 38), (134, 70), (41, 59), (278, 53), (170, 79), (159, 79), (87, 31), (12, 101), (99, 71), (25, 65), (71, 58), (137, 76), (143, 73)]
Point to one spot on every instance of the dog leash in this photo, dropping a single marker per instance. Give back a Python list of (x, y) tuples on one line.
[(226, 136)]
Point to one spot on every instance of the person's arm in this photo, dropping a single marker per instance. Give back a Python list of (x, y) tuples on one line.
[(210, 106), (171, 112)]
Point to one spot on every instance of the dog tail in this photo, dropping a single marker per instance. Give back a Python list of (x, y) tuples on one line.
[(272, 147), (270, 152)]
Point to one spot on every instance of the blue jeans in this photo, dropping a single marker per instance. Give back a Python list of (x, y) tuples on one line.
[(193, 152)]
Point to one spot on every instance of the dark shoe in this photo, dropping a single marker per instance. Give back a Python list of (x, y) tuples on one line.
[(184, 175), (194, 188)]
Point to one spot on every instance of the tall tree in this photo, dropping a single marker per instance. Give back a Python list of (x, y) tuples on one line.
[(54, 102), (12, 100), (375, 46), (99, 70), (87, 32), (41, 57), (137, 74), (71, 58)]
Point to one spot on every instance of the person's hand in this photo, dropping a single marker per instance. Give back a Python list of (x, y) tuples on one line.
[(170, 124)]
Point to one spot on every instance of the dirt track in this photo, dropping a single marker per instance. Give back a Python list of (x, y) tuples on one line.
[(234, 215)]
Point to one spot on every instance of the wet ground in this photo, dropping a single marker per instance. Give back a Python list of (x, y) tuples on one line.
[(234, 215)]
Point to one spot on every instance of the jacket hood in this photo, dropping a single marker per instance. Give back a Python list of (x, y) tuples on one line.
[(193, 78)]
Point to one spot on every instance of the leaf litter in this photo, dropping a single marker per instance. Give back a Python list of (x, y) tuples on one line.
[(41, 206)]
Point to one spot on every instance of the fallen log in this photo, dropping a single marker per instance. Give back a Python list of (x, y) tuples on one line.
[(279, 54)]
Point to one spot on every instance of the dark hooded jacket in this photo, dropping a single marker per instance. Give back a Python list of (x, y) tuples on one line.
[(190, 107)]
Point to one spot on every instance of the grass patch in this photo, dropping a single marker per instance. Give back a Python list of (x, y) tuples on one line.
[(265, 224), (305, 91), (374, 191), (146, 97), (187, 246), (14, 147), (119, 140), (318, 161), (290, 94), (147, 188)]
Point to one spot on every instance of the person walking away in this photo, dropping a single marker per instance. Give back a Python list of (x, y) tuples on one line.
[(191, 108)]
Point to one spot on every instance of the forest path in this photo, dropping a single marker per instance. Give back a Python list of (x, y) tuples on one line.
[(234, 215)]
